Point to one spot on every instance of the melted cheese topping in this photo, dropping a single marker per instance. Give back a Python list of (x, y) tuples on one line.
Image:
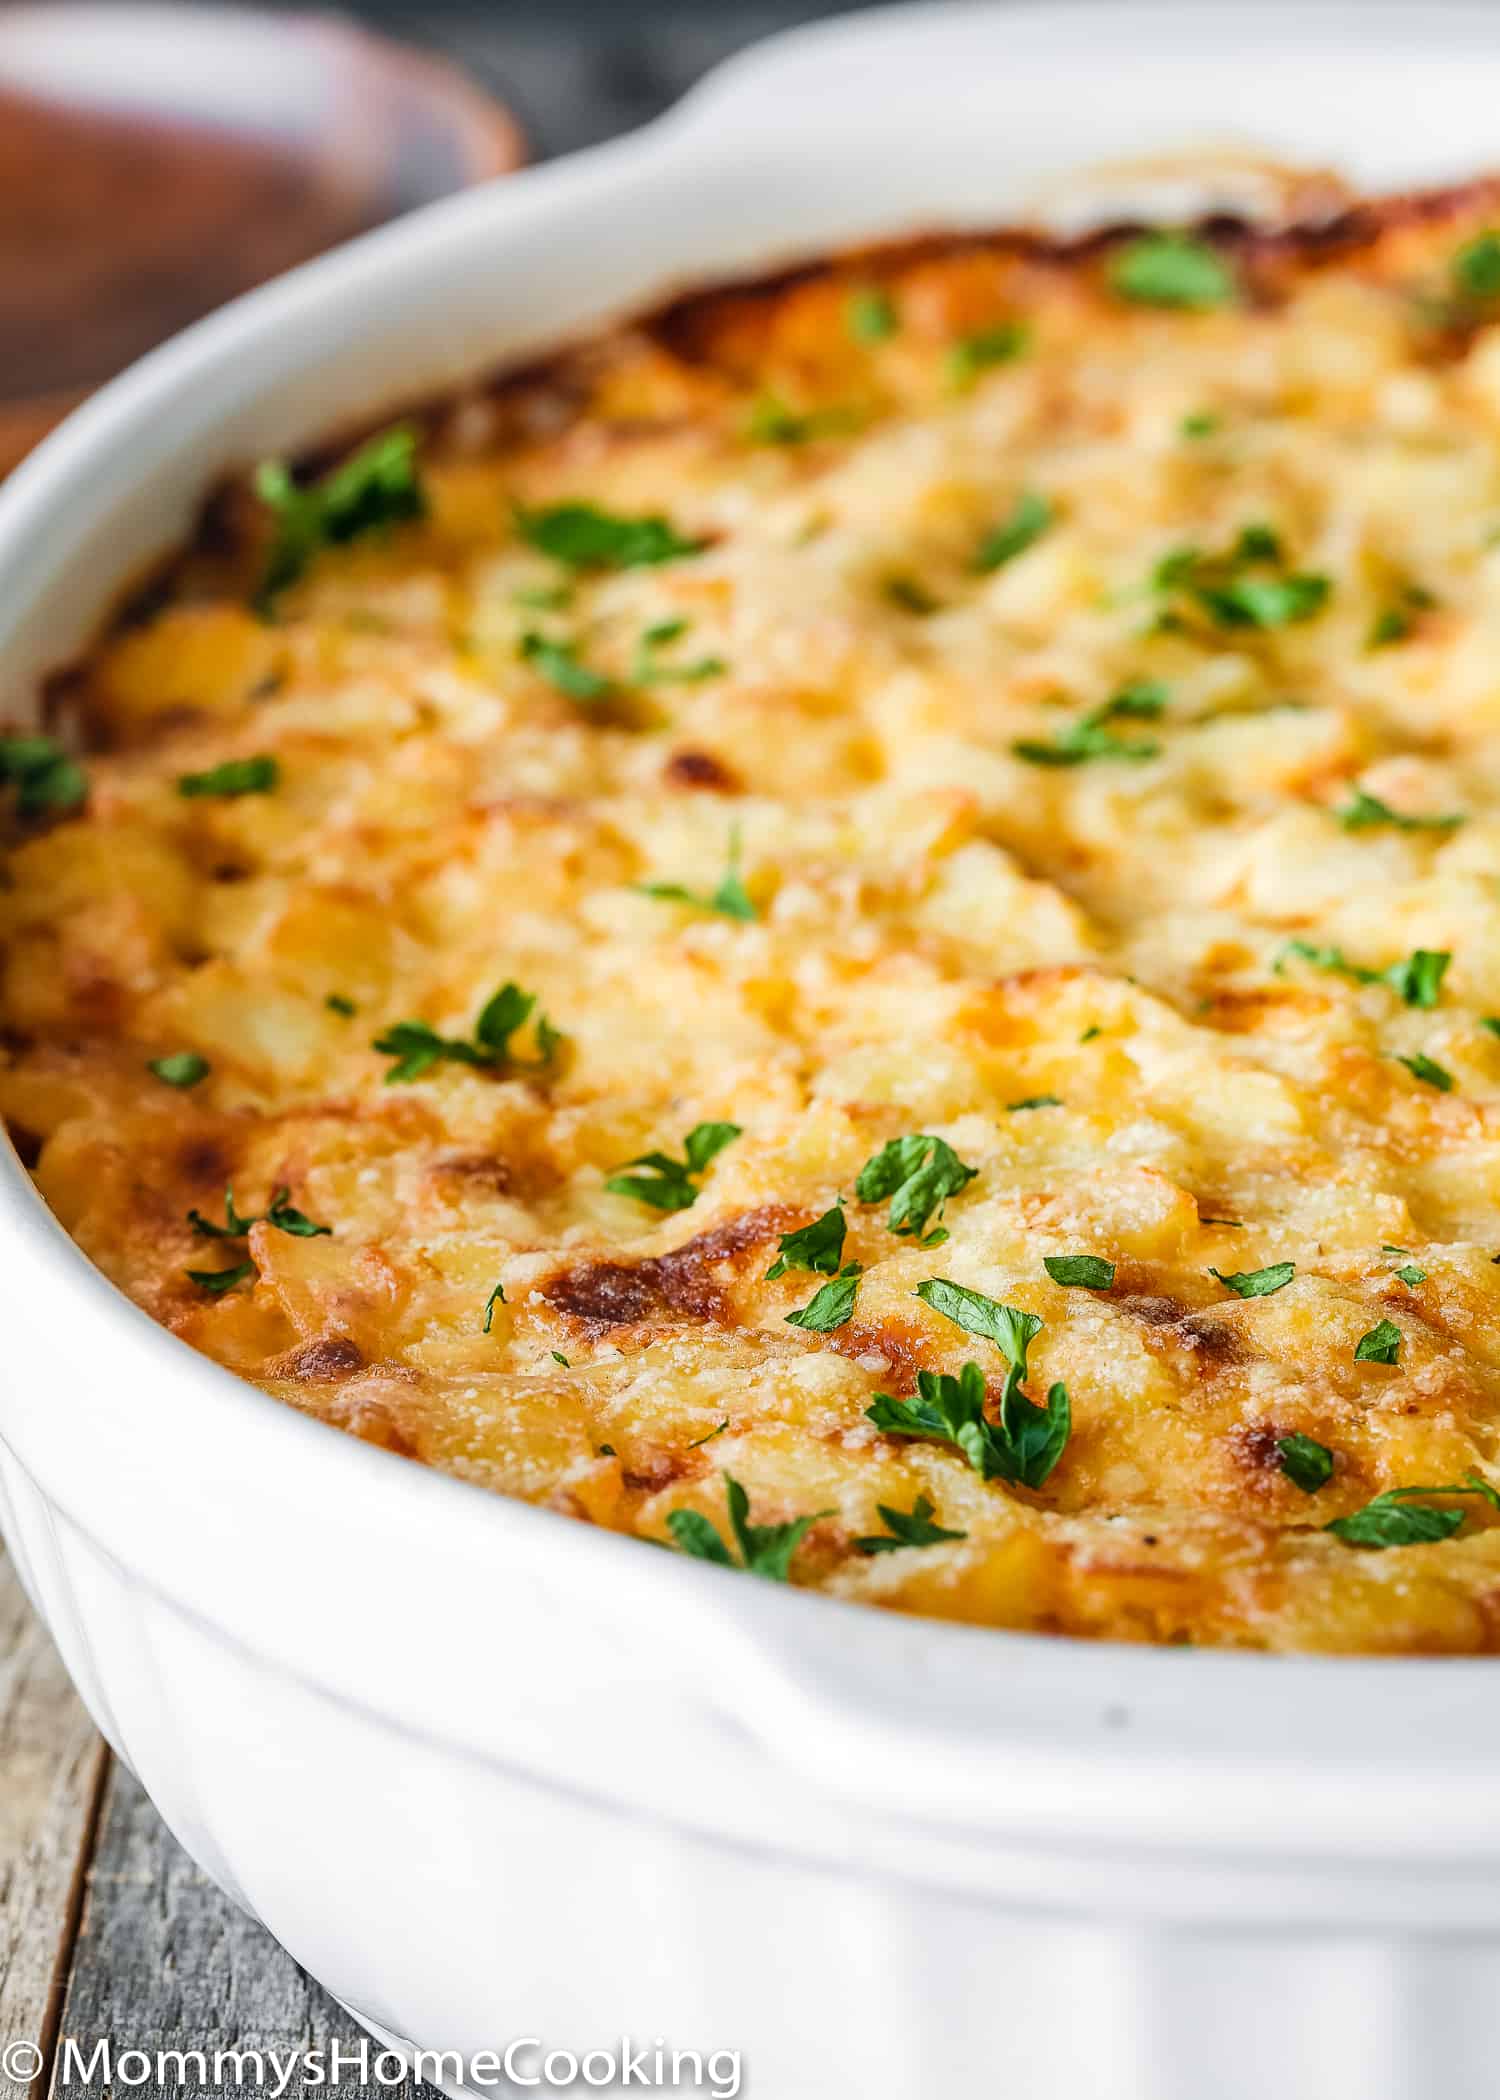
[(945, 930)]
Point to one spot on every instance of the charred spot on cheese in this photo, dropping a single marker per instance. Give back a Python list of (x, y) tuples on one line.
[(1021, 603), (678, 1285)]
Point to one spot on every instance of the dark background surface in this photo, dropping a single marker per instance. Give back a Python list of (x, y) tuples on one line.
[(577, 71)]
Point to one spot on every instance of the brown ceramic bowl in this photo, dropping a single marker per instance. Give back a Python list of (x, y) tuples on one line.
[(156, 160)]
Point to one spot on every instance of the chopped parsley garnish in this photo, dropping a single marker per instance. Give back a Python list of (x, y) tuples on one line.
[(1476, 266), (237, 776), (1265, 601), (217, 1281), (1397, 1518), (1026, 1441), (1200, 424), (699, 1441), (278, 1213), (417, 1047), (731, 899), (649, 669), (985, 349), (1306, 1463), (910, 596), (870, 315), (1365, 812), (1417, 978), (338, 1004), (772, 422), (1014, 1108), (582, 537), (181, 1068), (1410, 1275), (765, 1549), (1257, 1283), (376, 488), (560, 664), (818, 1248), (832, 1306), (672, 1184), (559, 1358), (919, 1173), (496, 1297), (1223, 587), (1429, 1071), (1027, 522), (913, 1527), (46, 780), (1382, 1345), (1092, 736), (1171, 269), (1490, 1023), (1396, 622), (1082, 1272)]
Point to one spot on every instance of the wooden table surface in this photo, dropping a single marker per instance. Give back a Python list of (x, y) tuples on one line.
[(106, 1928)]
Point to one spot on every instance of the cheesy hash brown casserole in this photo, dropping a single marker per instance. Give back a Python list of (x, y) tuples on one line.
[(855, 930)]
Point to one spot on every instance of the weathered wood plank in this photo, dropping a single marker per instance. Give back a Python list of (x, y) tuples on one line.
[(52, 1768), (162, 1961)]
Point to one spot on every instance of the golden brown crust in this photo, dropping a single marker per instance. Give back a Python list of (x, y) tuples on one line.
[(933, 507)]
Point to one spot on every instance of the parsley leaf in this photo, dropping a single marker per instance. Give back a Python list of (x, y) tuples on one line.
[(909, 595), (1411, 1275), (912, 1527), (699, 1441), (560, 664), (1265, 601), (1014, 1108), (772, 422), (818, 1248), (585, 538), (1171, 269), (731, 899), (1306, 1463), (951, 1411), (416, 1046), (765, 1549), (496, 1297), (1429, 1071), (671, 1184), (1417, 978), (985, 349), (1201, 423), (217, 1281), (919, 1173), (1028, 1440), (1382, 1345), (870, 315), (1027, 522), (1258, 1283), (832, 1306), (1086, 1272), (279, 1213), (1092, 737), (46, 780), (237, 776), (1476, 266), (1364, 812), (336, 1003), (1396, 1518), (182, 1068), (376, 488), (648, 668)]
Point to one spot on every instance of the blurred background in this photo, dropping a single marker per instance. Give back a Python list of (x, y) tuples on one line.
[(156, 159)]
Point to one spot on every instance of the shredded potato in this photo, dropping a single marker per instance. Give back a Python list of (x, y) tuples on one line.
[(1034, 714)]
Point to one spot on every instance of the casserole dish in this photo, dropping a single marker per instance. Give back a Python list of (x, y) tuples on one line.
[(872, 1855)]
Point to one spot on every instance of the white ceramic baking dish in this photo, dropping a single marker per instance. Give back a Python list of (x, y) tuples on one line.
[(489, 1774)]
